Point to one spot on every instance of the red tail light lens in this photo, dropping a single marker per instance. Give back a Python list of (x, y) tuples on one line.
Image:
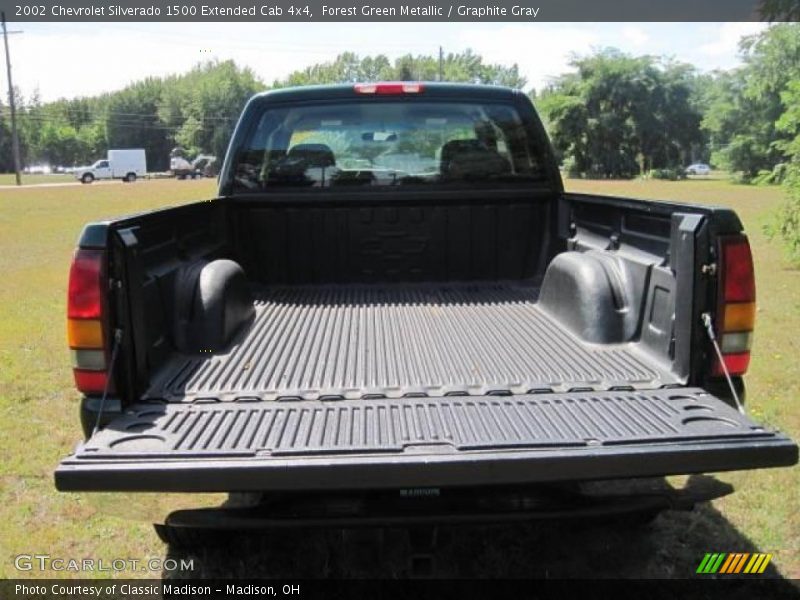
[(90, 382), (85, 322), (738, 278), (736, 309), (85, 281), (737, 364), (391, 88)]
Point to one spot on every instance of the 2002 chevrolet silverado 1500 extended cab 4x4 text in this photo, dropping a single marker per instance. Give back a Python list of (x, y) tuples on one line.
[(393, 312)]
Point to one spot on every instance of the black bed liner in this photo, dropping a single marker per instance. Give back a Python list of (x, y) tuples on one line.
[(393, 341), (420, 442)]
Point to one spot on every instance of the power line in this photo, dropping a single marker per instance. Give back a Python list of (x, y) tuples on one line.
[(56, 116), (103, 113), (125, 123), (38, 112)]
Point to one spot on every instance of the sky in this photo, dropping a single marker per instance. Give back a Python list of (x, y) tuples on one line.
[(84, 59)]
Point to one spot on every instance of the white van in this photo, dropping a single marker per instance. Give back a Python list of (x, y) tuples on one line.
[(125, 164)]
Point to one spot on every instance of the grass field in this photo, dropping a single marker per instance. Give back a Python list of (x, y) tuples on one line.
[(38, 425), (8, 178)]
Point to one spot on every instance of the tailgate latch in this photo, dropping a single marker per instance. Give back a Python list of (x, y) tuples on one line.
[(709, 325)]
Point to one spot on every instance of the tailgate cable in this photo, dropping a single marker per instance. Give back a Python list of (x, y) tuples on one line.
[(117, 340), (710, 329)]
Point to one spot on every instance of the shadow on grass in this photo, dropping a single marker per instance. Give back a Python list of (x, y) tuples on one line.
[(672, 546)]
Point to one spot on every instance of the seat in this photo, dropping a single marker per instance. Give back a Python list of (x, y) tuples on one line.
[(471, 159), (304, 165), (312, 155)]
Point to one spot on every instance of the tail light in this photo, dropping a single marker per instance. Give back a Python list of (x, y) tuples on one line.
[(86, 320), (392, 88), (736, 311)]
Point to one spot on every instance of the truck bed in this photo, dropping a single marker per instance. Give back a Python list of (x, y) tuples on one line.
[(368, 341), (482, 328)]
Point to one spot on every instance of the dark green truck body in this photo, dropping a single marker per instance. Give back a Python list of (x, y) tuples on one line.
[(488, 332)]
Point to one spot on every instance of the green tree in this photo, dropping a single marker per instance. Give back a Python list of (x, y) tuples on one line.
[(92, 142), (745, 104), (84, 116), (6, 156), (780, 10), (787, 223), (29, 124), (60, 144), (198, 110), (464, 66), (619, 115), (132, 121)]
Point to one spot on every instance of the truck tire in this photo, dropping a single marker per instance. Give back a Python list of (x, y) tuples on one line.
[(130, 177), (189, 538), (87, 178)]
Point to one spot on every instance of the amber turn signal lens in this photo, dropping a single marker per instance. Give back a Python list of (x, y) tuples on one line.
[(739, 316), (84, 333)]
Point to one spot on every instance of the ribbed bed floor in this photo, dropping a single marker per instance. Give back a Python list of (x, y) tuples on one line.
[(356, 342)]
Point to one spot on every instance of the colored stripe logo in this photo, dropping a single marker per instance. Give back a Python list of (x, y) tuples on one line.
[(733, 563)]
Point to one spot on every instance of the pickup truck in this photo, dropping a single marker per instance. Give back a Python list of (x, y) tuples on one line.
[(127, 165), (393, 312)]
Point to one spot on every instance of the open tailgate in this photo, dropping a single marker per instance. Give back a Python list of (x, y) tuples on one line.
[(420, 442)]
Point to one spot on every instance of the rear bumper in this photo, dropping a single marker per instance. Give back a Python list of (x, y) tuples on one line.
[(449, 506), (420, 442)]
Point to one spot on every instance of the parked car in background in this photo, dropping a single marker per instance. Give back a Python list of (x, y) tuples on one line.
[(698, 169), (38, 170), (180, 168), (204, 165), (126, 164)]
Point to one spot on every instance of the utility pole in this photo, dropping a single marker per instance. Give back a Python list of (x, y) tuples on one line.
[(12, 104), (441, 64)]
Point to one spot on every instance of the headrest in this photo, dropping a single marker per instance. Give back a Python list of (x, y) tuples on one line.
[(313, 155)]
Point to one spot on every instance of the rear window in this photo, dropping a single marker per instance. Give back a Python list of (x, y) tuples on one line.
[(386, 144)]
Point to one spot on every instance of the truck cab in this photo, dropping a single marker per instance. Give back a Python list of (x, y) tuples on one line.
[(101, 169)]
